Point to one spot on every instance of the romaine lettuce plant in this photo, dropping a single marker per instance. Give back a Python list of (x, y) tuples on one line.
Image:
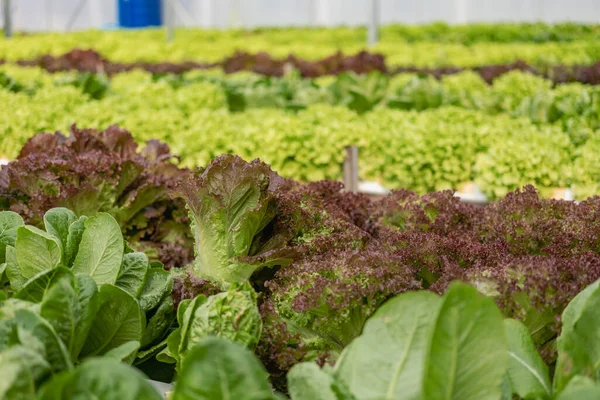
[(250, 224), (101, 378), (217, 368), (92, 288), (231, 205), (232, 315)]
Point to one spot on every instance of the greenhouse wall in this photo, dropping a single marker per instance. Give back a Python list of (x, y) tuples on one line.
[(64, 15)]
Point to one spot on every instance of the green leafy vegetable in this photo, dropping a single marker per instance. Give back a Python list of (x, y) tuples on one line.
[(580, 388), (579, 342), (36, 288), (230, 205), (527, 373), (160, 322), (233, 315), (159, 283), (219, 369), (74, 239), (119, 320), (9, 223), (36, 251), (307, 381), (467, 354), (57, 222), (101, 249), (125, 352), (101, 378), (133, 273), (35, 332), (387, 361)]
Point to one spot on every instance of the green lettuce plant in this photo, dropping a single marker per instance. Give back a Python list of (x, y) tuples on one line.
[(231, 203), (232, 315), (82, 266), (420, 346)]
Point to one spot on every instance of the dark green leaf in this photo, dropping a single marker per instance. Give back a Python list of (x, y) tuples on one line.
[(160, 322), (153, 351), (118, 321), (73, 239), (132, 276), (101, 249), (125, 352), (57, 222), (36, 288), (36, 251), (100, 378), (159, 283), (9, 223), (59, 306)]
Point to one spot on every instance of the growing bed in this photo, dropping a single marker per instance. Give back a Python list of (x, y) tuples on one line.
[(135, 264)]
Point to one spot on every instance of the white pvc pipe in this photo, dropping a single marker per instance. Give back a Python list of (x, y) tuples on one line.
[(95, 13), (181, 13), (169, 20), (373, 34), (206, 13), (461, 7), (321, 12)]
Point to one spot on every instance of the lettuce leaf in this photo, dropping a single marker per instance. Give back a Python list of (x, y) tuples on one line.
[(230, 205)]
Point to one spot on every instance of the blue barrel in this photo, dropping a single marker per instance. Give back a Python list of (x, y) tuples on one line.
[(139, 13)]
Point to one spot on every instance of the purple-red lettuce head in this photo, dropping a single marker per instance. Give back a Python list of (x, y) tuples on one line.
[(93, 171)]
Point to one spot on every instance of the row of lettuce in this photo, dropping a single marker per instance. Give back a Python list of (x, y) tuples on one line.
[(573, 106), (303, 275), (497, 33), (418, 133), (399, 48), (413, 347)]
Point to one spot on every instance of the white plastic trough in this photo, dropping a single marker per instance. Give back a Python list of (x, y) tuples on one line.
[(372, 188), (163, 388)]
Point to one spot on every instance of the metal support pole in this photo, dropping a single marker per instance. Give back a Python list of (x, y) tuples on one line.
[(320, 11), (75, 15), (179, 12), (540, 10), (206, 14), (95, 12), (169, 20), (7, 18), (49, 15), (236, 14), (461, 7), (374, 22), (351, 169)]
